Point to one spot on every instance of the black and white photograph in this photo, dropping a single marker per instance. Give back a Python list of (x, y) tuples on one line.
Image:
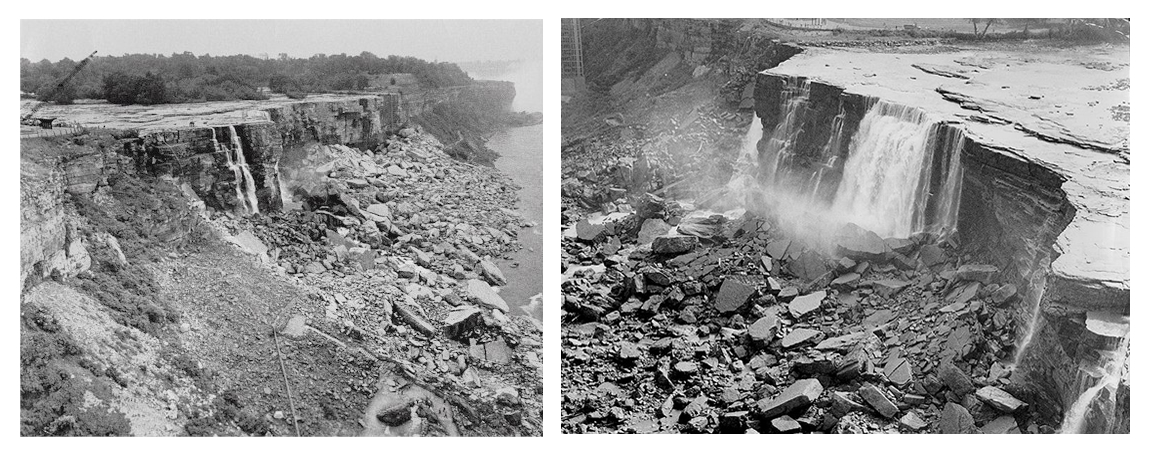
[(281, 227), (844, 226)]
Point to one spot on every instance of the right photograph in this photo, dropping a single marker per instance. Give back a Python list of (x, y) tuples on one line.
[(845, 226)]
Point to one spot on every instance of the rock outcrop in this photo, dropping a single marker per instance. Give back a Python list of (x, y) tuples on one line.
[(1043, 197)]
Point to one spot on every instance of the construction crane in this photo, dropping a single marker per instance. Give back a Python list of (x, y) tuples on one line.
[(59, 85)]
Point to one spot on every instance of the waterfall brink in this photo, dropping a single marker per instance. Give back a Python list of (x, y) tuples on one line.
[(888, 182), (244, 183), (1077, 417), (898, 173)]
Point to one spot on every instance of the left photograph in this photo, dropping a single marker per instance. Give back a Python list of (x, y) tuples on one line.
[(281, 228)]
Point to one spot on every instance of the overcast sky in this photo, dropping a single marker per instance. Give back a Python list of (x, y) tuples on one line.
[(442, 40)]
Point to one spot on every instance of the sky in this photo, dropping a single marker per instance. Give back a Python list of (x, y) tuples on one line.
[(441, 40)]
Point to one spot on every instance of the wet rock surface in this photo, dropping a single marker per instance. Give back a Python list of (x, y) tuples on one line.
[(715, 339)]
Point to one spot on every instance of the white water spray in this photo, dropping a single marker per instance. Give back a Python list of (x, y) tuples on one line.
[(880, 185), (244, 183), (1076, 417)]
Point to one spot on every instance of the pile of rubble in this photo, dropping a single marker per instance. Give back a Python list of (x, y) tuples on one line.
[(679, 320), (399, 246)]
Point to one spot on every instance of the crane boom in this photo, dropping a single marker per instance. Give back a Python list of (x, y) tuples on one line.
[(61, 84)]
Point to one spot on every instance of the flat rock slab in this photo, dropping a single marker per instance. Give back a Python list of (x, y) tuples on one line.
[(932, 255), (296, 327), (1000, 399), (1001, 425), (956, 379), (651, 229), (809, 266), (859, 244), (982, 273), (798, 337), (495, 351), (898, 371), (587, 231), (674, 244), (764, 329), (806, 304), (846, 281), (777, 248), (879, 317), (841, 343), (628, 352), (485, 295), (733, 294), (955, 419), (799, 395), (1107, 324), (901, 246), (461, 320), (492, 273), (878, 401), (786, 424), (911, 421), (889, 287)]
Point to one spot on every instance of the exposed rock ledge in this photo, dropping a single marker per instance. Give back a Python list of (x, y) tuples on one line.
[(1073, 128)]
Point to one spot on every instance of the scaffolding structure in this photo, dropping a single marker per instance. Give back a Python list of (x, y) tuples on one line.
[(571, 49)]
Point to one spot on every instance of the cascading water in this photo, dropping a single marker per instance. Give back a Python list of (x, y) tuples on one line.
[(244, 183), (900, 175), (888, 176), (780, 150), (1076, 418)]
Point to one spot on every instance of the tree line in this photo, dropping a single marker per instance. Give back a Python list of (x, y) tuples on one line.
[(182, 78)]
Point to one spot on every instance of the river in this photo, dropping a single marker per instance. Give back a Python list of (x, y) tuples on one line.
[(521, 158)]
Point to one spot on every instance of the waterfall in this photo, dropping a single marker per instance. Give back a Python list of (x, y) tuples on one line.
[(888, 179), (1076, 418), (897, 174), (244, 183), (780, 147), (744, 180)]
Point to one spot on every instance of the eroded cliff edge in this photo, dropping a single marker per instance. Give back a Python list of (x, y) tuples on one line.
[(1045, 189)]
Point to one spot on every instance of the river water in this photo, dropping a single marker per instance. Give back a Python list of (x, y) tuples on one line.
[(521, 151)]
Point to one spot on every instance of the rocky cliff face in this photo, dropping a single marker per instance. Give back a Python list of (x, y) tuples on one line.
[(1052, 214), (281, 138), (283, 135)]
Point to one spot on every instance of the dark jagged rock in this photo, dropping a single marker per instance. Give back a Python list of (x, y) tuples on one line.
[(956, 379), (764, 329), (1000, 399), (878, 401), (674, 244), (733, 294), (955, 419), (798, 337), (799, 395)]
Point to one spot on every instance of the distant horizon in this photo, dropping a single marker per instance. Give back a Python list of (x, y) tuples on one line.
[(454, 41), (265, 56)]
